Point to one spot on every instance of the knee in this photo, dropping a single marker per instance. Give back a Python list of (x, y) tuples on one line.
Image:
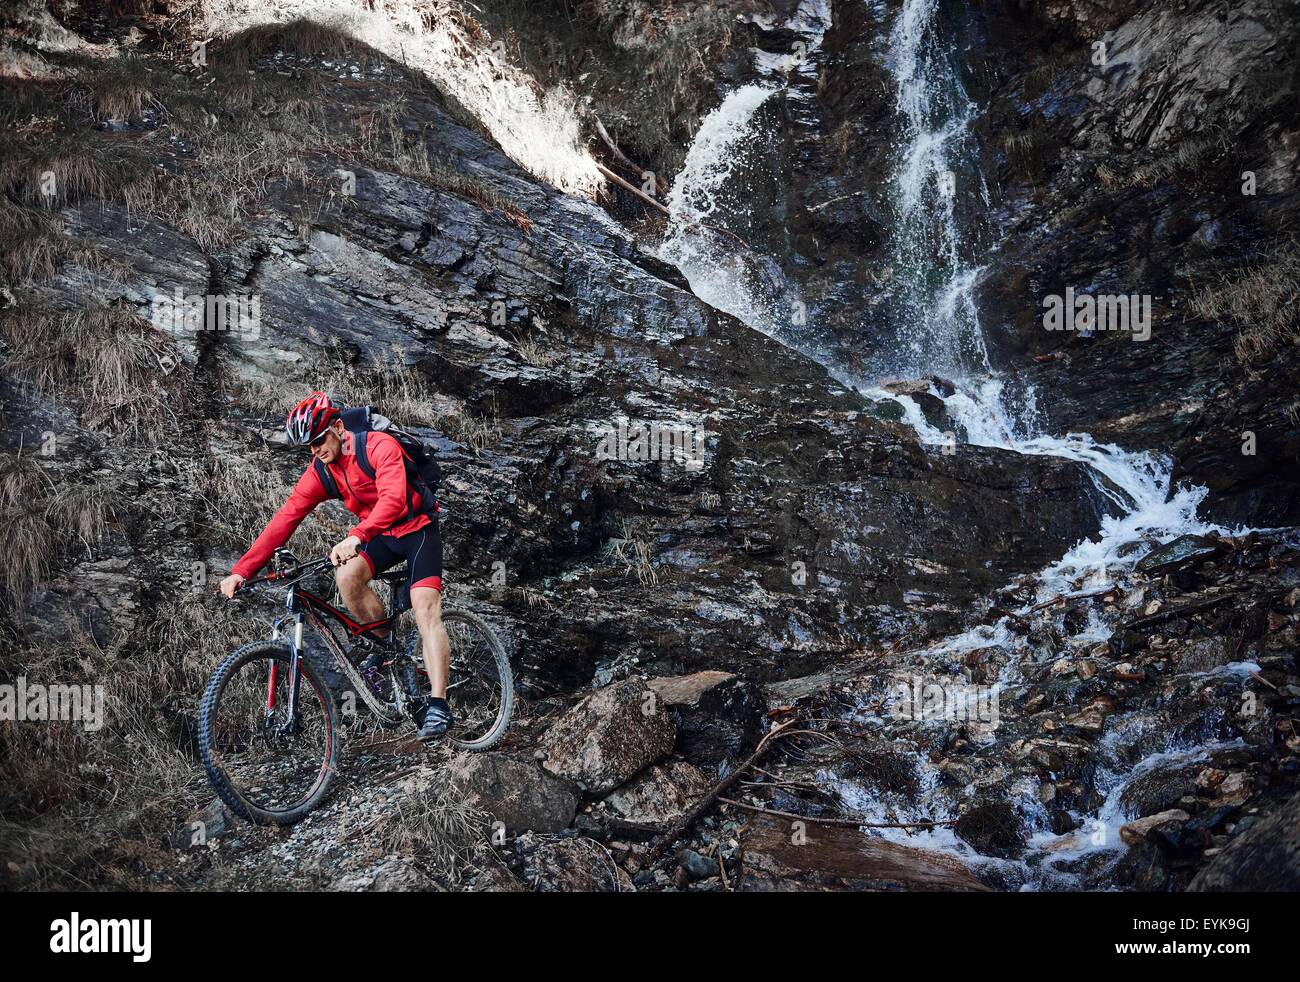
[(427, 605), (352, 576)]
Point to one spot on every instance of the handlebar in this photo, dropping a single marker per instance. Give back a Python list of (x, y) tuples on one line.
[(286, 576)]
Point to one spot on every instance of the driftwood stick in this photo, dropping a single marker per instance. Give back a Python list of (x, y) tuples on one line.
[(847, 822), (619, 155), (654, 203), (707, 802), (633, 830), (1068, 596), (627, 186)]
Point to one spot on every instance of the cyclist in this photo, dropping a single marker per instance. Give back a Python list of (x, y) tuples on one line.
[(394, 526)]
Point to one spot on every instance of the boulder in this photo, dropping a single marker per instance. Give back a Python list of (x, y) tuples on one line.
[(205, 824), (1264, 857), (719, 715), (1137, 831), (1179, 553), (1205, 654), (392, 874), (608, 737), (659, 794), (517, 793)]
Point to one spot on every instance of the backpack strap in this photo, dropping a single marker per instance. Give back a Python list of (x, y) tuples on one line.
[(363, 459), (327, 480)]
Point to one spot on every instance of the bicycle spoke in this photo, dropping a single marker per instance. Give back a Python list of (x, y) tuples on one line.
[(273, 761)]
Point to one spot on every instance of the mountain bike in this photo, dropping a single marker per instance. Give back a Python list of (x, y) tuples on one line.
[(269, 718)]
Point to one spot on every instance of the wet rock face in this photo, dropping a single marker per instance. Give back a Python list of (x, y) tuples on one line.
[(1147, 159), (1186, 550), (608, 737)]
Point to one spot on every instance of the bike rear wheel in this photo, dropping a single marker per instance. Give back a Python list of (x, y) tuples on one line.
[(267, 766), (480, 688)]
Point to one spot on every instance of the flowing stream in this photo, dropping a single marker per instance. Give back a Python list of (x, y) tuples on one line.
[(936, 266)]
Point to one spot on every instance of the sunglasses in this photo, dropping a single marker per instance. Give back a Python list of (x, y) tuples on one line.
[(319, 441)]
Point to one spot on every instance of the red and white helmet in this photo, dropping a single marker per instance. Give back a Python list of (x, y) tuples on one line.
[(310, 418)]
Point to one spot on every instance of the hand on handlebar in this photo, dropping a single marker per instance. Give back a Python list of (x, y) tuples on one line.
[(230, 584), (345, 550)]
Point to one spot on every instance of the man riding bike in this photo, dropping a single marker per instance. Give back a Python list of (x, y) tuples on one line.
[(395, 524)]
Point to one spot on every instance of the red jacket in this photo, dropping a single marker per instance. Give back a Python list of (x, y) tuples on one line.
[(381, 504)]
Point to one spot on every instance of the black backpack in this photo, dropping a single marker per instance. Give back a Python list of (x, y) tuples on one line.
[(422, 471)]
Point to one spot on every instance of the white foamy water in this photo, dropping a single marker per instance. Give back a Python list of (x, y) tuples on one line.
[(936, 320), (539, 131), (706, 193), (1137, 484)]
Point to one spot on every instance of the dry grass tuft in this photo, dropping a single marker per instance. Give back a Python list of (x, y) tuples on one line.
[(1188, 157), (71, 167), (534, 353), (122, 91), (303, 38), (104, 360), (434, 824), (1263, 301), (635, 554), (131, 780), (1030, 152), (43, 517)]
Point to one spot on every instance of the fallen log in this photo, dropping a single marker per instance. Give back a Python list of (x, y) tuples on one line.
[(836, 858), (620, 156)]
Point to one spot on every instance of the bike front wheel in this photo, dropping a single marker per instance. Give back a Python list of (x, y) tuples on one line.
[(270, 763), (480, 687)]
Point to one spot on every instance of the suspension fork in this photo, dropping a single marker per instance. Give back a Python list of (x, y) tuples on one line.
[(295, 660)]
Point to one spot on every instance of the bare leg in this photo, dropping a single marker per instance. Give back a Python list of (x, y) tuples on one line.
[(427, 604), (353, 578)]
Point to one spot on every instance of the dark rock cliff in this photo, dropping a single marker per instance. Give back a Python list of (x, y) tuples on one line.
[(399, 257)]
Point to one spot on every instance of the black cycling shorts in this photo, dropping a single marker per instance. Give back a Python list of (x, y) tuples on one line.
[(421, 549)]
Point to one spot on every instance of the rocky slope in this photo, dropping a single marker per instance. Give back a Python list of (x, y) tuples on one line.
[(398, 256)]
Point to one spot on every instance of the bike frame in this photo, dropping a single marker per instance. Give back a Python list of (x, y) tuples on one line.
[(303, 605)]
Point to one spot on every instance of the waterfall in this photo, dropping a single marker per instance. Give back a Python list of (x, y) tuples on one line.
[(938, 328), (939, 331), (939, 325)]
